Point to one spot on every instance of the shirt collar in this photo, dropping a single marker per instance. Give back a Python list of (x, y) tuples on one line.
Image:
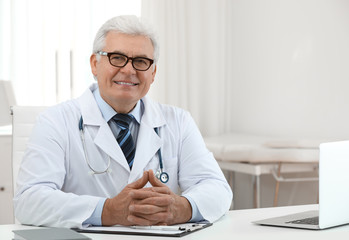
[(108, 112)]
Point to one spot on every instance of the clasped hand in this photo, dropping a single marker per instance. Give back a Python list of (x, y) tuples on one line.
[(136, 205)]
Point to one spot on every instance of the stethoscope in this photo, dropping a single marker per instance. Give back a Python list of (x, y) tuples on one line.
[(160, 173)]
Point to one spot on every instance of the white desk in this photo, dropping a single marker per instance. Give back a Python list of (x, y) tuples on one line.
[(235, 225)]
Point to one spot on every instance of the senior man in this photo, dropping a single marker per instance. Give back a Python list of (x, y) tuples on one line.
[(114, 156)]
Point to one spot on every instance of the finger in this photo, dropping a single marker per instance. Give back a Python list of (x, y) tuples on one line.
[(138, 220), (150, 192), (140, 183), (163, 190), (154, 181), (136, 209), (155, 219), (156, 201)]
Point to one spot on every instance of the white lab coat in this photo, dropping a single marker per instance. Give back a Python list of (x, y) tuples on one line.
[(55, 184)]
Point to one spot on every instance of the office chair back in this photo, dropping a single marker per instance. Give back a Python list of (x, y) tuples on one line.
[(23, 120)]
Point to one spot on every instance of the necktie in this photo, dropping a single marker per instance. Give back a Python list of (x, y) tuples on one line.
[(124, 137)]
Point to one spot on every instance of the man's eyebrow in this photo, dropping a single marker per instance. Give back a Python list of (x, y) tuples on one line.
[(140, 55), (118, 52)]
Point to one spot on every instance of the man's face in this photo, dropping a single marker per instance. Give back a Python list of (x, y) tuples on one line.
[(122, 87)]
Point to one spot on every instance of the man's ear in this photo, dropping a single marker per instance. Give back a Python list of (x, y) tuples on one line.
[(93, 64), (153, 74)]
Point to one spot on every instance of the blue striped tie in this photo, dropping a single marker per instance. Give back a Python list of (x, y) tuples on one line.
[(124, 137)]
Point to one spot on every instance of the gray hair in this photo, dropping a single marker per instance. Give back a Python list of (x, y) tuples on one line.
[(129, 24)]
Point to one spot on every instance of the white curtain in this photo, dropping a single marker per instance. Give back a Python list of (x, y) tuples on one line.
[(193, 70), (46, 45)]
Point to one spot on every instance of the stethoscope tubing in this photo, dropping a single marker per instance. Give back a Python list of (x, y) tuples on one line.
[(82, 135), (162, 176)]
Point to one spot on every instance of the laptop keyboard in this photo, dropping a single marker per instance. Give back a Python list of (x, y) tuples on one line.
[(309, 221)]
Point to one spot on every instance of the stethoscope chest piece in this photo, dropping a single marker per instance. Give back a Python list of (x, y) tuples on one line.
[(162, 176)]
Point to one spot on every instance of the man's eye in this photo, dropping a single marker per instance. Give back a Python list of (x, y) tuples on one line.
[(117, 57), (140, 61)]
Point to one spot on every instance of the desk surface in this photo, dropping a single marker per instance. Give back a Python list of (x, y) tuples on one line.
[(234, 225)]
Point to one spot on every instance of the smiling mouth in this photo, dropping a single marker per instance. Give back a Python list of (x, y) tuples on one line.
[(126, 83)]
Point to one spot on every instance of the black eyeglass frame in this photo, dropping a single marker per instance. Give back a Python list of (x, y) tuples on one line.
[(108, 54)]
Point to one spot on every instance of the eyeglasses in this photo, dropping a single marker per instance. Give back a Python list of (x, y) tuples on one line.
[(120, 60)]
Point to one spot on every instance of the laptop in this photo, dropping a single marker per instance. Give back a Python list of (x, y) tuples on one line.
[(333, 192)]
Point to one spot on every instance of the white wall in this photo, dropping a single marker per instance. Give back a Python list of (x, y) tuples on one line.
[(290, 67), (290, 78), (270, 67)]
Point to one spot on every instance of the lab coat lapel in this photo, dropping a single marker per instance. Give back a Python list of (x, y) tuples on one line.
[(107, 142), (104, 137), (148, 142)]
